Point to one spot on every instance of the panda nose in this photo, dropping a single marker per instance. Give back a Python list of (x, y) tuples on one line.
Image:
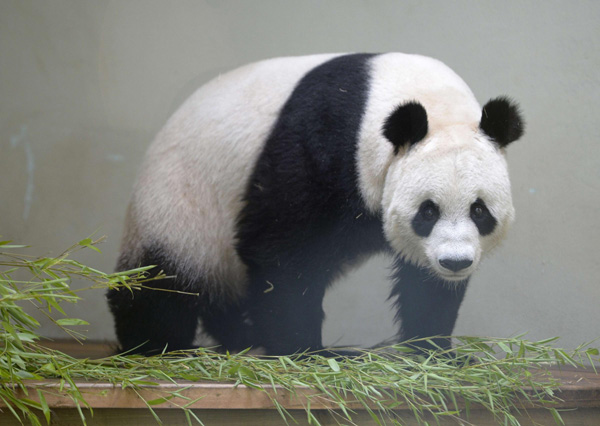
[(455, 265)]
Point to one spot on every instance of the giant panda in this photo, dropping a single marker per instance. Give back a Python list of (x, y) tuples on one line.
[(274, 179)]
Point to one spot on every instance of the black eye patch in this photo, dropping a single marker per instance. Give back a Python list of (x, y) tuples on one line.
[(482, 217), (426, 218)]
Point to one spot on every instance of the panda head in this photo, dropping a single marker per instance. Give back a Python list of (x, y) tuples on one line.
[(446, 198)]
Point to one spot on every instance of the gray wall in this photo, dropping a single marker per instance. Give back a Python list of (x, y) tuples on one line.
[(85, 85)]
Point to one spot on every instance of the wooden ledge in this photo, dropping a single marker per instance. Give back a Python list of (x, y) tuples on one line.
[(221, 403), (579, 389)]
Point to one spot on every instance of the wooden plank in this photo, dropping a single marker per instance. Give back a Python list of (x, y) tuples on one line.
[(205, 395), (580, 388)]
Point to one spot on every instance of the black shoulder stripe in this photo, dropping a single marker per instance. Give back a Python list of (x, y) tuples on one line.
[(306, 179)]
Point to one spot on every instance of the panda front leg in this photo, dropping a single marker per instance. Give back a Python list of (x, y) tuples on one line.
[(427, 305), (286, 311)]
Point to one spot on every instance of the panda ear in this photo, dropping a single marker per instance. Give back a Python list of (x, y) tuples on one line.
[(406, 125), (501, 120)]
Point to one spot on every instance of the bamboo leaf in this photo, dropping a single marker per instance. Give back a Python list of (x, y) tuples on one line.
[(44, 405), (71, 321), (159, 401), (333, 364)]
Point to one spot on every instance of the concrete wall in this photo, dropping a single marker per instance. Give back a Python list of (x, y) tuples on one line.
[(85, 85)]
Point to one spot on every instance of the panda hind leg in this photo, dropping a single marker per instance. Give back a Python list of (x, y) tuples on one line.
[(148, 321), (158, 316)]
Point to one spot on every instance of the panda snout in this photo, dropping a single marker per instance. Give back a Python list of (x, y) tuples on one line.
[(455, 265)]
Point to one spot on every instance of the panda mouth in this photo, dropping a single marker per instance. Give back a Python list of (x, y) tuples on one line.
[(454, 277)]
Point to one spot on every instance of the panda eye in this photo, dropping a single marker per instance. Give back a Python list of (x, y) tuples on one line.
[(426, 218), (482, 217), (477, 210), (429, 211)]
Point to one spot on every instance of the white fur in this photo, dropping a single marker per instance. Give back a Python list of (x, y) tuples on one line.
[(452, 167), (189, 192)]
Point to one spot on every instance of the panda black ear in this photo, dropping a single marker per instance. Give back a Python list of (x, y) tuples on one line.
[(501, 120), (406, 125)]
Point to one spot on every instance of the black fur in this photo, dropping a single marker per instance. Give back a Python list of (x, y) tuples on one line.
[(406, 125), (485, 222), (151, 320), (426, 218), (427, 305), (165, 315), (501, 121)]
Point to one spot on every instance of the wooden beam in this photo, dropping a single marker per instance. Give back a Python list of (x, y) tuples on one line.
[(580, 388)]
